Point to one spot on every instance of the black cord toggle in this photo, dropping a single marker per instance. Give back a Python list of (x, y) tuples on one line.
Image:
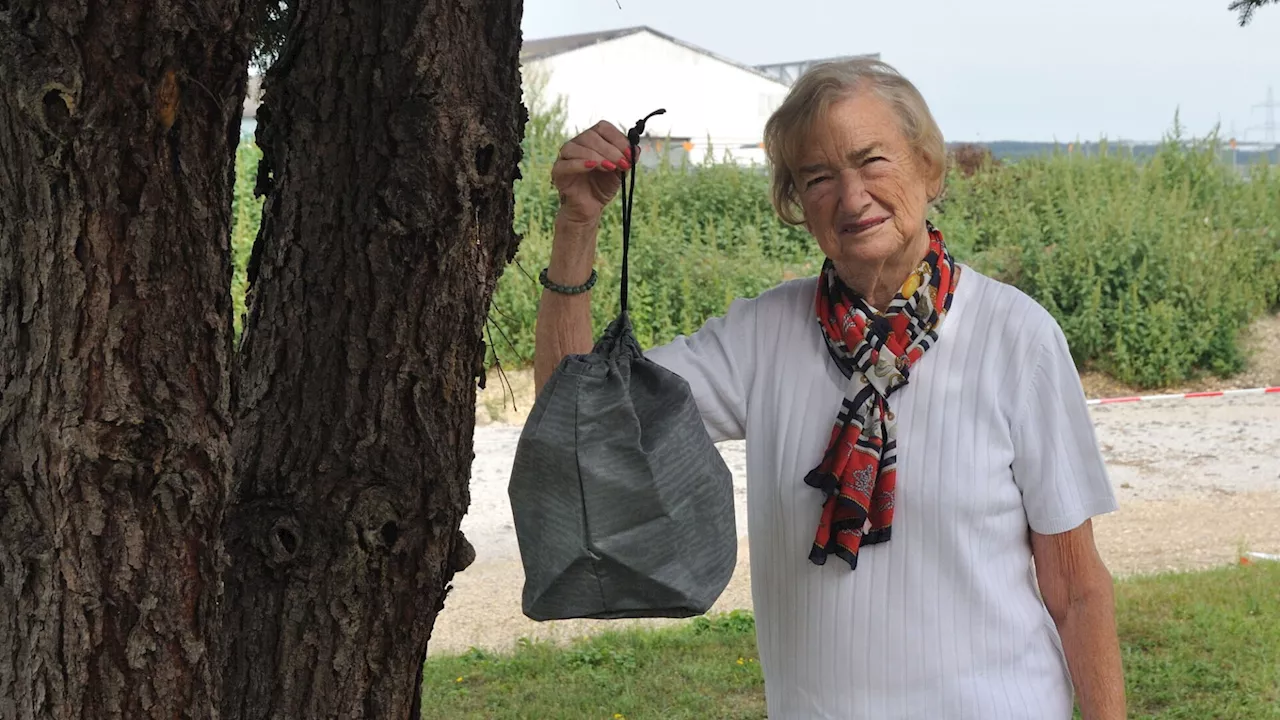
[(635, 132)]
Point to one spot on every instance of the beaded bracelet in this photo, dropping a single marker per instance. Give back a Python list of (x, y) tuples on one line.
[(564, 289)]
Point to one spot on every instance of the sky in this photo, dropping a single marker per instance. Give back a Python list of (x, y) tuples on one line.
[(997, 69)]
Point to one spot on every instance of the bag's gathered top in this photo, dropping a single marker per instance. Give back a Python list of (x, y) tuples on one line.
[(876, 352)]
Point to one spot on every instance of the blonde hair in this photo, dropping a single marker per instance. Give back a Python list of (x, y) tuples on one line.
[(812, 96)]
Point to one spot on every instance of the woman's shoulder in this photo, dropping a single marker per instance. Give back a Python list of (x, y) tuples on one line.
[(789, 295), (1005, 312), (789, 299)]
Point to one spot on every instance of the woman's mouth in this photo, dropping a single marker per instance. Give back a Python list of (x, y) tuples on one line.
[(853, 228)]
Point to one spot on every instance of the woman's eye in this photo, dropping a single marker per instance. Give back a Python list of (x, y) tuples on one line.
[(815, 181), (873, 159)]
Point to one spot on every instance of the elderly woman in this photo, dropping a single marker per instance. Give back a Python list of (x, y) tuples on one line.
[(918, 424)]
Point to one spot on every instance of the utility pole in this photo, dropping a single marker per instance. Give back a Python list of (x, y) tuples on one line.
[(1268, 126), (1269, 120)]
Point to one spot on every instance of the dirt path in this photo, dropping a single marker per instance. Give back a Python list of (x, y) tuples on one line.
[(1198, 483)]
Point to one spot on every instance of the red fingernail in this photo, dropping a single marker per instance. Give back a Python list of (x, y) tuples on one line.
[(624, 164), (626, 154), (608, 165), (588, 163)]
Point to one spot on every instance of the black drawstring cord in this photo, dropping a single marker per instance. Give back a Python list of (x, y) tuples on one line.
[(633, 137)]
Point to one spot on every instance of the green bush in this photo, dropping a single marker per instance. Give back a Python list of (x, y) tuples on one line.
[(1153, 268), (246, 214), (685, 265)]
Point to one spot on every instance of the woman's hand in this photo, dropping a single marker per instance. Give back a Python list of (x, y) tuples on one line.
[(586, 173)]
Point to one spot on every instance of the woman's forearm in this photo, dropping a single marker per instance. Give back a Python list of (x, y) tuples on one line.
[(1088, 631), (564, 321)]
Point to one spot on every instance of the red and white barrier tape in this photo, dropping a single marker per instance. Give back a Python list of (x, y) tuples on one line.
[(1185, 396)]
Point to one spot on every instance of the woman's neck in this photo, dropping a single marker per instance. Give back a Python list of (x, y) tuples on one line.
[(879, 283)]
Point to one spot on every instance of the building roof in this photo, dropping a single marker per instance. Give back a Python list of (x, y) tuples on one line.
[(548, 47), (819, 61)]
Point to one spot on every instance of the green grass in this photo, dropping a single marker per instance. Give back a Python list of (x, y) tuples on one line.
[(1196, 645), (704, 669), (1203, 645)]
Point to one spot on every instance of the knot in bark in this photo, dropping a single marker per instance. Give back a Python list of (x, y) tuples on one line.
[(57, 105), (377, 519), (284, 540)]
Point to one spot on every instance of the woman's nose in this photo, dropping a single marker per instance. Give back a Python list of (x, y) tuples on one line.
[(853, 191)]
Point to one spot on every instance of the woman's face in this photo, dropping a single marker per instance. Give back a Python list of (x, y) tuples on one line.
[(863, 190)]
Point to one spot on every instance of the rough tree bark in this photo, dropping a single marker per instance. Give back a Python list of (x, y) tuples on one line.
[(117, 126), (391, 137)]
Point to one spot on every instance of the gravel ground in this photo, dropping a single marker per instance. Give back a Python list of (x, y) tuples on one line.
[(1198, 482)]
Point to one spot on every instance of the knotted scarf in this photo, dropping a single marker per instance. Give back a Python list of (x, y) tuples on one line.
[(876, 352)]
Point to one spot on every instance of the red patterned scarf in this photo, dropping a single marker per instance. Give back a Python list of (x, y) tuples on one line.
[(876, 353)]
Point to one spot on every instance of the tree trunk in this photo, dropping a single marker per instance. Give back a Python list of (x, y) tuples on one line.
[(117, 127), (391, 139)]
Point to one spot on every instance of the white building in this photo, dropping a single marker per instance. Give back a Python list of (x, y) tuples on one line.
[(712, 103)]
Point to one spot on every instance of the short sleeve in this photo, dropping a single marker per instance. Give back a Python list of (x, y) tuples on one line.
[(1058, 464), (717, 361)]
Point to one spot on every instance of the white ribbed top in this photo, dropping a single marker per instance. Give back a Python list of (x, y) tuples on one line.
[(994, 436)]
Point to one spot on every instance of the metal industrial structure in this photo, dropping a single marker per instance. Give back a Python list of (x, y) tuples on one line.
[(1268, 127), (788, 72)]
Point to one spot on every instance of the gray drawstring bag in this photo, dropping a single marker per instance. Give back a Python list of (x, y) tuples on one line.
[(623, 507)]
